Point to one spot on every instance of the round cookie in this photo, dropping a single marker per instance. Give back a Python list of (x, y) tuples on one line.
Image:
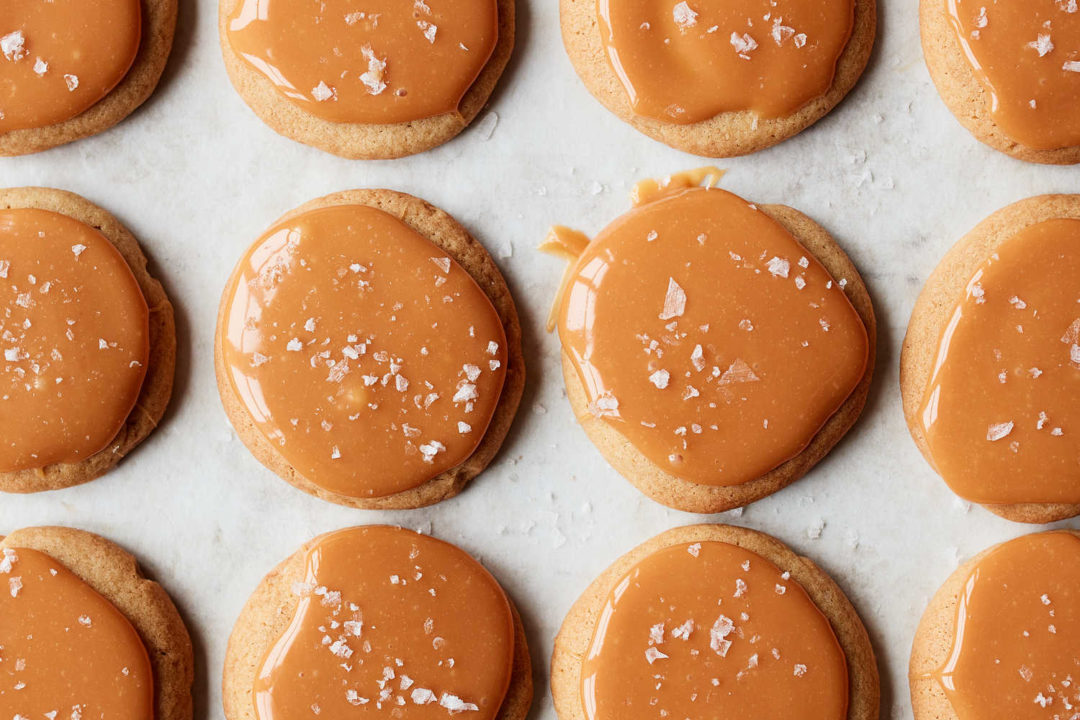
[(943, 290), (964, 95), (730, 133), (687, 496), (442, 230), (114, 573), (361, 141), (158, 382), (574, 638), (267, 615), (158, 28)]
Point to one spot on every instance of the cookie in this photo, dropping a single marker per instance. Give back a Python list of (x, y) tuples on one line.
[(991, 363), (773, 75), (1019, 98), (68, 427), (1018, 606), (669, 315), (408, 621), (403, 78), (87, 633), (72, 70), (739, 612), (403, 324)]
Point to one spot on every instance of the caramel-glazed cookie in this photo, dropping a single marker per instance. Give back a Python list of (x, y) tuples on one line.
[(998, 639), (713, 621), (89, 341), (70, 69), (774, 69), (708, 374), (86, 634), (371, 80), (368, 351), (990, 368), (1008, 72), (380, 619)]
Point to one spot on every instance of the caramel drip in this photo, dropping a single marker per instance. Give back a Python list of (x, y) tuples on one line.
[(999, 411), (390, 624), (365, 354), (74, 328), (58, 58), (375, 61), (710, 629), (650, 189), (689, 61), (709, 337), (67, 651), (1027, 57)]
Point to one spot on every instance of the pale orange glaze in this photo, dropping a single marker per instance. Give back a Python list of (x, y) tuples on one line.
[(58, 58), (368, 357), (68, 653), (683, 61), (74, 329), (1000, 414), (712, 630), (367, 61), (709, 337), (1016, 652), (1026, 54), (390, 624)]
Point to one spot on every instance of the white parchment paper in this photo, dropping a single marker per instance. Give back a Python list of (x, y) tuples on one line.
[(197, 177)]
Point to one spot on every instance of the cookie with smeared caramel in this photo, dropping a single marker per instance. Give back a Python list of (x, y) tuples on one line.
[(719, 79), (85, 634), (713, 621), (378, 620), (371, 80), (88, 339), (990, 369), (368, 351)]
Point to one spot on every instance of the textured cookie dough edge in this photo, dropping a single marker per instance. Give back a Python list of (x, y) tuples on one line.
[(114, 574), (270, 609), (572, 642), (934, 639), (362, 141), (157, 384), (964, 95), (158, 28), (727, 134), (944, 289), (439, 228), (674, 492)]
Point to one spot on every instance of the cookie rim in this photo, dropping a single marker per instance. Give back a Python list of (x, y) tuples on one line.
[(157, 386), (570, 646), (929, 316), (442, 230), (365, 141)]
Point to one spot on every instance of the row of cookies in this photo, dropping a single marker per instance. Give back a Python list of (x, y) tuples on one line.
[(700, 621), (714, 350), (392, 79)]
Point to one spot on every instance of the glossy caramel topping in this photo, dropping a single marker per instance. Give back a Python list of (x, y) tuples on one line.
[(390, 624), (710, 630), (1026, 54), (709, 337), (368, 357), (59, 57), (367, 61), (1000, 414), (68, 653), (687, 61), (75, 337), (1016, 652)]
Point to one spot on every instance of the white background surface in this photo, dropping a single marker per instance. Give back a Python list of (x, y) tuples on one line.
[(197, 177)]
